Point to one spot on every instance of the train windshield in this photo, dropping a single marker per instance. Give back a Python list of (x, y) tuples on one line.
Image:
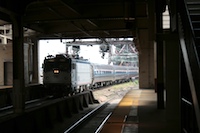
[(61, 66)]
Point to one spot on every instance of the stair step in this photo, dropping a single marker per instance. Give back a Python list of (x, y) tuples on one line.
[(193, 5), (194, 12), (197, 32), (196, 24), (195, 17), (192, 0), (197, 40)]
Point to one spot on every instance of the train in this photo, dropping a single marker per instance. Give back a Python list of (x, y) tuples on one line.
[(64, 74)]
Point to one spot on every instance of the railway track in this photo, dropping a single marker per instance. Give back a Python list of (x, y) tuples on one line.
[(81, 122), (93, 121), (96, 122)]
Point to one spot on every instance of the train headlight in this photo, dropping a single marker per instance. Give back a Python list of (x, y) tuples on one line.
[(56, 71)]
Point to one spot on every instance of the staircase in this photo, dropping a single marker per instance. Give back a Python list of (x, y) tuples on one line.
[(194, 12), (189, 33)]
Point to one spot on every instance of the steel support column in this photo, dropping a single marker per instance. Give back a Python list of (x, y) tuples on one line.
[(160, 67), (160, 7), (18, 66), (172, 82), (35, 61)]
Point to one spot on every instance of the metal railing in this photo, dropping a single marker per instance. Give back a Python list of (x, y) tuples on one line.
[(190, 107)]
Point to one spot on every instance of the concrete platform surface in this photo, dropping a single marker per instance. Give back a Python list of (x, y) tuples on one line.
[(137, 113), (151, 119)]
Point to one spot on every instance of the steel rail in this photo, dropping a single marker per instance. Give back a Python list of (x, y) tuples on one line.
[(104, 121), (86, 117)]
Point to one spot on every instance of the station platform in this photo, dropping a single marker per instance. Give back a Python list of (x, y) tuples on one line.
[(151, 119), (137, 113)]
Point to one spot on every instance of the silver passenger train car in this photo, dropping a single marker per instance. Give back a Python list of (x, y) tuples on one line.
[(64, 74)]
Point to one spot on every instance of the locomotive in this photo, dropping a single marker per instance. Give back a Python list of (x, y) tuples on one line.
[(66, 74)]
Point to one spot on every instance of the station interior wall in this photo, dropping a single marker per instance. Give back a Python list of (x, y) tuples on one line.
[(5, 56)]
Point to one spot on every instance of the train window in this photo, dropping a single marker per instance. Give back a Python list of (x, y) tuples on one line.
[(49, 66), (51, 60)]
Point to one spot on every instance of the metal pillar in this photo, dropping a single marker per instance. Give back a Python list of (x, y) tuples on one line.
[(18, 66), (172, 83), (35, 62), (160, 69)]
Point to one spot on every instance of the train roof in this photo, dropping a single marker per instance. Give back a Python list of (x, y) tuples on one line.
[(65, 57)]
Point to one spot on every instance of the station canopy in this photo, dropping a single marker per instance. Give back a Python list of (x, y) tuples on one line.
[(76, 18)]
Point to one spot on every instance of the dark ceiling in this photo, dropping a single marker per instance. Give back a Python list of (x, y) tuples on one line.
[(77, 18)]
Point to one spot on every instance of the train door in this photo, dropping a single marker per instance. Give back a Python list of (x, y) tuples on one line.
[(8, 73)]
